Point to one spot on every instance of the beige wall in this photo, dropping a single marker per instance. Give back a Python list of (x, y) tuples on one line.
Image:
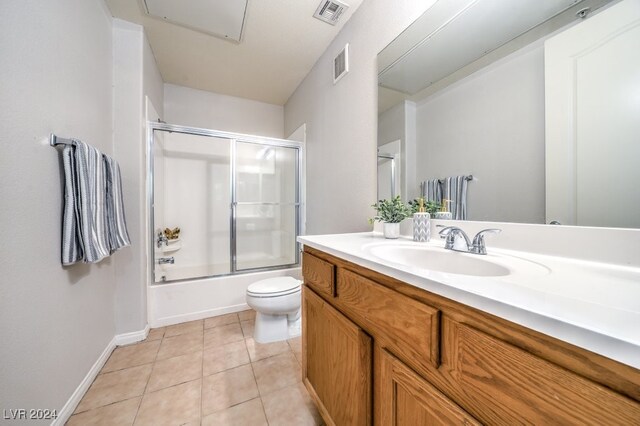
[(198, 108), (491, 125), (89, 83), (56, 76), (342, 119), (135, 76)]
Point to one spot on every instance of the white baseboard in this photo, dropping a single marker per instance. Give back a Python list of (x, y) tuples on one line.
[(74, 400), (76, 396), (192, 316), (133, 337)]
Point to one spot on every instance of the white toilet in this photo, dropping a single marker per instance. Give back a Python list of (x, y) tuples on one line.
[(277, 304)]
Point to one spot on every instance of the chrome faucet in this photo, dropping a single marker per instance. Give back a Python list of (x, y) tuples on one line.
[(478, 241), (453, 235), (165, 260)]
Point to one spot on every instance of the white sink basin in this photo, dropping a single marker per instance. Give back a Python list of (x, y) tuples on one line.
[(452, 262)]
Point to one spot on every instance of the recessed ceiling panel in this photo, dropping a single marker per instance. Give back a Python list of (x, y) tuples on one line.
[(221, 18)]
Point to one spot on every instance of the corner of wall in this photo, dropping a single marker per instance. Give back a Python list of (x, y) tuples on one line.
[(411, 182), (128, 138)]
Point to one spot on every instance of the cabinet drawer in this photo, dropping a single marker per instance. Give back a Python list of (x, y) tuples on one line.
[(318, 274), (409, 327), (505, 384)]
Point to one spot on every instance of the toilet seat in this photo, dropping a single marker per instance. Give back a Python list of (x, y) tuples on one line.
[(274, 287)]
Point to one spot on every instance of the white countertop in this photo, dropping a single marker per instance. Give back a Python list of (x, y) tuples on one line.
[(593, 305)]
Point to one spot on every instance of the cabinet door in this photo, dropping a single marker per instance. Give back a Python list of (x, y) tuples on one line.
[(408, 399), (336, 363)]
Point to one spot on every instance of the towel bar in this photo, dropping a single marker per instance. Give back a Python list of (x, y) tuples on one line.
[(55, 140), (470, 177)]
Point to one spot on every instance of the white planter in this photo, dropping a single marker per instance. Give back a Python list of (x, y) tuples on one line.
[(391, 230)]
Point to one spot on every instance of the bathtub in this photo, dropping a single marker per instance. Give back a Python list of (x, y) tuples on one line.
[(188, 300)]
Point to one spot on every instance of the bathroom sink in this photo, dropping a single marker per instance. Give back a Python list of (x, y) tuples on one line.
[(452, 262)]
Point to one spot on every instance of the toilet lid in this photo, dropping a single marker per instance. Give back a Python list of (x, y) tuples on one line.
[(274, 286)]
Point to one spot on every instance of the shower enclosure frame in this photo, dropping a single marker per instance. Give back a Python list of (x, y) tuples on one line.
[(233, 138)]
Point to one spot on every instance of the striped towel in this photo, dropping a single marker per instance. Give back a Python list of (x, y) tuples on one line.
[(432, 191), (452, 188), (455, 189), (71, 245), (114, 207), (93, 219)]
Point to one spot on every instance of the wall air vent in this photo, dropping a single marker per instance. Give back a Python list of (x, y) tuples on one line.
[(341, 64), (330, 11)]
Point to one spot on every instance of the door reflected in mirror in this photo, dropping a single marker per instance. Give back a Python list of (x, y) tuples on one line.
[(388, 170)]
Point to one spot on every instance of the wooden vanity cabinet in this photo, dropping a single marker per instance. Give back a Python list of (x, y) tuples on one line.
[(379, 351), (338, 373)]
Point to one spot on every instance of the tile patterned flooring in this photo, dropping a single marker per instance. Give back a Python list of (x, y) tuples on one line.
[(206, 372)]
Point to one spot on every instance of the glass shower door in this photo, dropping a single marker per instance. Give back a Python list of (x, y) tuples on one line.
[(265, 206), (192, 192)]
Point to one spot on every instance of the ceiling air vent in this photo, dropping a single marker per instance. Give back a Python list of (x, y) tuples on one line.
[(330, 11), (341, 64)]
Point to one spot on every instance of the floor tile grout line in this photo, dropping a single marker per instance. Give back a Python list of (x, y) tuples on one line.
[(175, 384), (103, 406), (176, 356), (202, 375), (235, 405), (240, 366), (110, 372), (282, 386), (101, 372), (168, 387), (220, 325), (137, 410), (180, 334), (264, 411), (144, 391), (255, 379)]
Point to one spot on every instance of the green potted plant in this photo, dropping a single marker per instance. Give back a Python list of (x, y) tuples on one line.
[(391, 213), (429, 206)]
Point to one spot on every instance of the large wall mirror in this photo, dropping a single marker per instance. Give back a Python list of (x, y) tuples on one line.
[(536, 103)]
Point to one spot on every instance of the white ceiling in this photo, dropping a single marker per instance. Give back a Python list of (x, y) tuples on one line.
[(471, 29), (280, 43)]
